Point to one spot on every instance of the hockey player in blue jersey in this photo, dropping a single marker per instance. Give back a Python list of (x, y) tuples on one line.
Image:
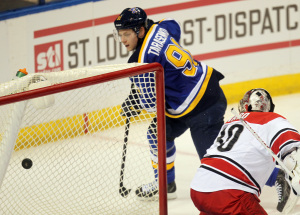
[(193, 97)]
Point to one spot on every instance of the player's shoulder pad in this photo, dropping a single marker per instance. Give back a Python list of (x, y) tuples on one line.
[(172, 26), (257, 117), (263, 117)]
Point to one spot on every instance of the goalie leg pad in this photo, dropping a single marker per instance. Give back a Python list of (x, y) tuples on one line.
[(44, 101)]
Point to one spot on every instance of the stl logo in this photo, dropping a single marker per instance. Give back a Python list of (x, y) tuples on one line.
[(49, 57)]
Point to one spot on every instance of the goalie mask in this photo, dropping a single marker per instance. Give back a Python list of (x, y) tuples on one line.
[(258, 100), (131, 18)]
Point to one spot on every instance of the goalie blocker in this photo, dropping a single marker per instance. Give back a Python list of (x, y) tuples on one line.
[(292, 162)]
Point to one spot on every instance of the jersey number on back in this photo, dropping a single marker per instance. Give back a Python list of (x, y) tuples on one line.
[(233, 134), (181, 59)]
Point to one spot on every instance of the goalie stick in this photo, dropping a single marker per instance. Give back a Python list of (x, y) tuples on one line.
[(122, 189)]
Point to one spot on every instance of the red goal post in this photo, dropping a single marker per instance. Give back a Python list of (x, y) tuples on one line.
[(9, 147)]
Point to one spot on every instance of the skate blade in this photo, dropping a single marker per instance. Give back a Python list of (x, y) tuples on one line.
[(148, 199), (171, 196)]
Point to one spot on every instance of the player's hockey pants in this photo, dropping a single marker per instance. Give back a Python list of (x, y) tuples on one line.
[(204, 127)]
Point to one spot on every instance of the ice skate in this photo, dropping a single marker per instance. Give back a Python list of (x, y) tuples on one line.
[(150, 191)]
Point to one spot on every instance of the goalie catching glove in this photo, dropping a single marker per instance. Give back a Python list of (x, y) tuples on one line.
[(292, 162), (131, 106)]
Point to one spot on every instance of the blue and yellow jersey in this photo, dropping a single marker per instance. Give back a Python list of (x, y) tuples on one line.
[(186, 80)]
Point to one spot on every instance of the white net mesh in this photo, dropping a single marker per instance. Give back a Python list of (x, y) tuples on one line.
[(76, 146)]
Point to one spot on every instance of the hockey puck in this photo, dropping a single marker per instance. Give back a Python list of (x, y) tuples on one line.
[(27, 163)]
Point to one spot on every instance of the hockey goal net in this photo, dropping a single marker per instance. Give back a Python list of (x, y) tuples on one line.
[(65, 148)]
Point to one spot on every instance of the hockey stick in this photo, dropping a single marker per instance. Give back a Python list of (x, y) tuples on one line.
[(263, 143), (122, 189)]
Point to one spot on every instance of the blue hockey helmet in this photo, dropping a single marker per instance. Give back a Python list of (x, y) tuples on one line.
[(131, 18)]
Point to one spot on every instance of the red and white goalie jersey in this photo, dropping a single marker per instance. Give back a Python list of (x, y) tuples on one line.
[(237, 160)]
